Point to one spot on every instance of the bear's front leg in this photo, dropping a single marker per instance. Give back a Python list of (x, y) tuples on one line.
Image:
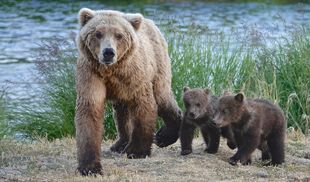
[(143, 113), (88, 122)]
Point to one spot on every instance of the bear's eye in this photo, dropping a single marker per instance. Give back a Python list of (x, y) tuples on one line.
[(118, 36), (198, 104), (226, 111), (98, 35)]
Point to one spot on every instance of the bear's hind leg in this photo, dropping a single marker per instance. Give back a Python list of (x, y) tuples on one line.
[(172, 116), (143, 114), (122, 119)]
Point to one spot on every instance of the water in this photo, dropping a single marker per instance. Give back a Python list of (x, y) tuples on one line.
[(24, 24)]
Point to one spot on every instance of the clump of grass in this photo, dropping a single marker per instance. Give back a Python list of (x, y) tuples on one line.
[(288, 66), (208, 61)]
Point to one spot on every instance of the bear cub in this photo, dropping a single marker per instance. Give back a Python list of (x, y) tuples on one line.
[(255, 123), (200, 110)]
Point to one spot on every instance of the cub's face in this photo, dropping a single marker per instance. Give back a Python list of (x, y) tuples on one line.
[(108, 35), (230, 109), (195, 101)]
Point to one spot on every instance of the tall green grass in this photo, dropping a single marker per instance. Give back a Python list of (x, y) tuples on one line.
[(53, 115), (3, 116), (280, 73), (288, 68)]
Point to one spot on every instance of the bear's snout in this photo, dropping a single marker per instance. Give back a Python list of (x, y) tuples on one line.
[(191, 115), (108, 55)]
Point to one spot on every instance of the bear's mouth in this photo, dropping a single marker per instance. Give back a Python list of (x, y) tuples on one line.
[(107, 61)]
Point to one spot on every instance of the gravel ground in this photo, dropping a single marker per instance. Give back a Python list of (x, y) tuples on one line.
[(42, 160)]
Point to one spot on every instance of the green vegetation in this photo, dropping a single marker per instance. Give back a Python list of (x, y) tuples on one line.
[(53, 116), (280, 73), (3, 116)]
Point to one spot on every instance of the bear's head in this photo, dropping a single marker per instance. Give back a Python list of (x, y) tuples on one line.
[(196, 102), (108, 36), (230, 109)]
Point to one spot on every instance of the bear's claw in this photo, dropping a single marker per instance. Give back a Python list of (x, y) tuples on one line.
[(119, 146), (90, 170)]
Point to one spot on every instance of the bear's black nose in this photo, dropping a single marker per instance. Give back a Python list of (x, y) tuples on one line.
[(108, 54)]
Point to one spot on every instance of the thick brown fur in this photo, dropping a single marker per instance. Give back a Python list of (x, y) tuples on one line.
[(122, 58), (256, 123), (201, 107)]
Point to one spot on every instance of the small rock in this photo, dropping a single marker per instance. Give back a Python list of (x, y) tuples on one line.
[(262, 174)]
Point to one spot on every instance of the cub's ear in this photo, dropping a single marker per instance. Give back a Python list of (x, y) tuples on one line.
[(185, 89), (134, 19), (85, 15), (239, 97), (207, 91), (227, 93)]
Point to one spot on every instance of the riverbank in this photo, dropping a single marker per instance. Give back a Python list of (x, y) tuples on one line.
[(42, 160)]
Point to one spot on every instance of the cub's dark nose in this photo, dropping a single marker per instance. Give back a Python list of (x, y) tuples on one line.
[(108, 54), (191, 115)]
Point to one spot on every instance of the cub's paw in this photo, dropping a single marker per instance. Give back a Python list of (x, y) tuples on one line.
[(166, 136), (186, 151), (265, 156), (231, 144), (90, 169), (246, 162), (233, 161), (119, 146), (210, 150), (272, 164)]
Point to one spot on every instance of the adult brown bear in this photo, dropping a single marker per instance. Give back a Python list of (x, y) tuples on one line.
[(122, 58)]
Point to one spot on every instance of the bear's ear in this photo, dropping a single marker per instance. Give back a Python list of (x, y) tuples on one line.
[(239, 97), (85, 15), (185, 89), (134, 19)]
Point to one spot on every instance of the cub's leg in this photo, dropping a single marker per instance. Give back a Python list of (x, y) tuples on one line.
[(229, 135), (122, 120), (211, 135), (276, 147), (265, 150), (251, 139), (186, 137)]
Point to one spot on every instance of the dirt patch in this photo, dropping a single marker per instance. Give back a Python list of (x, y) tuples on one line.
[(56, 161)]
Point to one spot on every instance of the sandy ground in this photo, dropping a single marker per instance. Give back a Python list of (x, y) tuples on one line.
[(56, 161)]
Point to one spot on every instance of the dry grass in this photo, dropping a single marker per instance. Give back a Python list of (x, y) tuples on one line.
[(55, 161)]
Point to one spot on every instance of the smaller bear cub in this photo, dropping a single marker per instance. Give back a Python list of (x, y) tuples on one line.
[(255, 123), (201, 107)]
